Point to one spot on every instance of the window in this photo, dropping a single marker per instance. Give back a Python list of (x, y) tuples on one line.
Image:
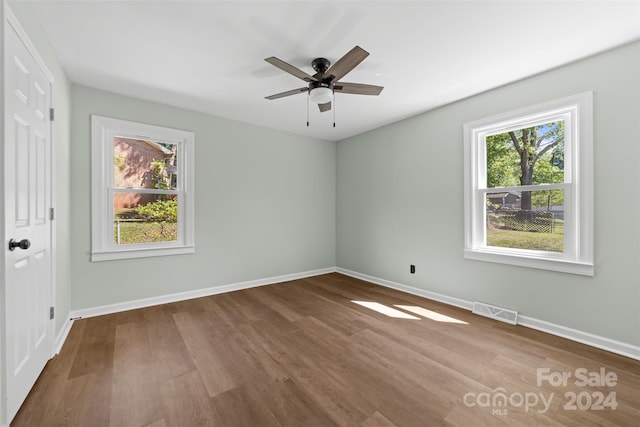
[(142, 190), (528, 187)]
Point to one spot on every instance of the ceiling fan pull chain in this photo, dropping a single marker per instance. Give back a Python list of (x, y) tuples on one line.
[(308, 95), (334, 109)]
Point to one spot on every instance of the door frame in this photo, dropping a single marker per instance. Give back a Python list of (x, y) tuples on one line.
[(10, 22)]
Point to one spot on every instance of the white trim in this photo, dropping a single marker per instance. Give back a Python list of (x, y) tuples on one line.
[(528, 260), (141, 253), (613, 346), (198, 293), (577, 257), (592, 340), (22, 35), (4, 7), (53, 224), (103, 132), (62, 335)]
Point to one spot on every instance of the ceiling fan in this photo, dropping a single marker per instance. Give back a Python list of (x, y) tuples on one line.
[(323, 84)]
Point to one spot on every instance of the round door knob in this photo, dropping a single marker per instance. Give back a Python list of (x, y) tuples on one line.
[(22, 244)]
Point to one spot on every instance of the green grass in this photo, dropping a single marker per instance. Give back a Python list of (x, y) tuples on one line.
[(146, 232), (552, 242)]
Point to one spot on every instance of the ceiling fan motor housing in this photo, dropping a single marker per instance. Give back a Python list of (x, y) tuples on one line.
[(321, 65)]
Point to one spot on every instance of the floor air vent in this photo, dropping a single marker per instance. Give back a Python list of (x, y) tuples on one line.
[(498, 313)]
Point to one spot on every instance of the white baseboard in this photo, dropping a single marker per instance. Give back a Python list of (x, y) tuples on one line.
[(181, 296), (62, 335), (592, 340), (597, 341)]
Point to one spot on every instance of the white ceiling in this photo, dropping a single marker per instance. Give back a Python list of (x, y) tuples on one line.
[(209, 55)]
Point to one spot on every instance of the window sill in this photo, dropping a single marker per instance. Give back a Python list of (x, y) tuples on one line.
[(140, 253), (561, 265)]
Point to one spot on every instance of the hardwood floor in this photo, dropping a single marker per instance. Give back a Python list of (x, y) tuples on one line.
[(302, 353)]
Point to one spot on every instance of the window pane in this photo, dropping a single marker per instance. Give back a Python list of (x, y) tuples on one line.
[(139, 163), (527, 156), (144, 218), (540, 228)]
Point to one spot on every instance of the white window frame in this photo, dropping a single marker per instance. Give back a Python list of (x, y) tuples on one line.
[(577, 258), (103, 132)]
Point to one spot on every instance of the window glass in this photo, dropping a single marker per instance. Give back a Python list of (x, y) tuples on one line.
[(540, 228), (528, 186), (144, 218), (142, 184), (533, 155)]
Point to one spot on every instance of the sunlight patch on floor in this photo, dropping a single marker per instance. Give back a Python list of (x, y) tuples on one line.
[(392, 312), (387, 311), (430, 314)]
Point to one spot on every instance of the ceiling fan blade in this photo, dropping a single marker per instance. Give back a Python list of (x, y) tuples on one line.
[(287, 93), (347, 63), (324, 107), (357, 88), (290, 69)]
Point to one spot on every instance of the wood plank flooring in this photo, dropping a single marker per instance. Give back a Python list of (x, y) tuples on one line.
[(302, 353)]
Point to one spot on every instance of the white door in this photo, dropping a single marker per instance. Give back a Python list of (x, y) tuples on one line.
[(27, 169)]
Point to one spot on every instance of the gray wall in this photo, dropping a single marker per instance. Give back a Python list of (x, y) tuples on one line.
[(400, 202), (265, 205)]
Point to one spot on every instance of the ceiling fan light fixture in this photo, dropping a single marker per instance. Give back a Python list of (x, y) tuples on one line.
[(321, 95)]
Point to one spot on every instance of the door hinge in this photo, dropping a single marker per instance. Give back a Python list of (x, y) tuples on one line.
[(52, 313), (51, 114), (51, 214)]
